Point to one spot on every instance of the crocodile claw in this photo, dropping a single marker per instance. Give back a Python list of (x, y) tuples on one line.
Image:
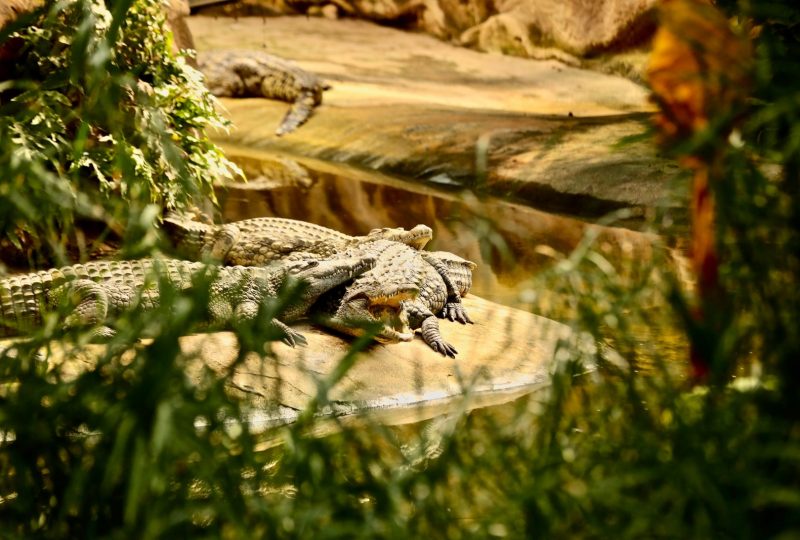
[(294, 338), (431, 336), (290, 337), (455, 312), (443, 348), (101, 334)]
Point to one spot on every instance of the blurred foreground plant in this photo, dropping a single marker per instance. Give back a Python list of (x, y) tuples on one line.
[(98, 119), (132, 448)]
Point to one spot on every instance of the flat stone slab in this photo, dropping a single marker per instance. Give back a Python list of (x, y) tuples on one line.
[(506, 353), (410, 105)]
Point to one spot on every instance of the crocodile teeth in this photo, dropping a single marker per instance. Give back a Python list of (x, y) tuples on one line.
[(394, 335), (395, 298), (395, 325)]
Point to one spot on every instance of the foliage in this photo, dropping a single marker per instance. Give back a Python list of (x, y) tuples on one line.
[(131, 448), (99, 120)]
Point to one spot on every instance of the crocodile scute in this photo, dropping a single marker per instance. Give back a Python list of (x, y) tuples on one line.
[(94, 293)]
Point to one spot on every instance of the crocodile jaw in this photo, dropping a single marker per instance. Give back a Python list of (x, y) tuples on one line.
[(395, 324), (393, 319), (323, 275), (416, 237), (391, 299)]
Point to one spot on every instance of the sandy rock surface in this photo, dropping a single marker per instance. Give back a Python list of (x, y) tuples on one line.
[(563, 29), (519, 356), (410, 105), (393, 381)]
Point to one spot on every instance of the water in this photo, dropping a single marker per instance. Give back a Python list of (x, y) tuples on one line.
[(510, 242)]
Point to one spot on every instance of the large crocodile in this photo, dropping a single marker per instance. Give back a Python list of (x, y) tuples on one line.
[(260, 241), (250, 73), (406, 291), (91, 294), (403, 291)]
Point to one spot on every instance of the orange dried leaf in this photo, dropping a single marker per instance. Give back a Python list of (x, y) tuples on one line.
[(699, 68)]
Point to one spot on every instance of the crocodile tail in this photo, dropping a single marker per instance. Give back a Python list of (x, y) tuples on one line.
[(299, 113)]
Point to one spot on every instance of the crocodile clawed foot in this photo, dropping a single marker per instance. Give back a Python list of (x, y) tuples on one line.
[(455, 312), (431, 336), (101, 334), (443, 348), (293, 339), (290, 337)]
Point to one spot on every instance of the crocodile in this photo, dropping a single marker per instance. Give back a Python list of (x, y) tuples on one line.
[(250, 73), (407, 290), (261, 241), (93, 293), (405, 284)]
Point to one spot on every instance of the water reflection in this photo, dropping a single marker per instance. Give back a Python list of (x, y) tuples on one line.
[(510, 242)]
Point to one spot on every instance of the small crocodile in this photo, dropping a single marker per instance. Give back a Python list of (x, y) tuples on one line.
[(260, 241), (406, 291), (97, 291), (249, 73)]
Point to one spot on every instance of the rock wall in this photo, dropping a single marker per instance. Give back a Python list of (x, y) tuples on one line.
[(176, 21), (578, 27), (536, 132), (177, 11), (11, 9), (562, 29)]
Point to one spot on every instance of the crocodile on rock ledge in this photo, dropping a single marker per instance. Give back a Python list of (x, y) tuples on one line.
[(95, 292), (260, 241), (405, 290), (249, 73)]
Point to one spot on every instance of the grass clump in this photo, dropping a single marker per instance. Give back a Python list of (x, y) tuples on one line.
[(98, 119), (131, 446)]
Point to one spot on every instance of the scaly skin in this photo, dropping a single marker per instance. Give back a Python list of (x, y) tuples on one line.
[(261, 241), (247, 73), (406, 291), (95, 292)]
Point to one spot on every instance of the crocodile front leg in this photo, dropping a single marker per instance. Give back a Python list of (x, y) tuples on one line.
[(432, 336), (291, 337), (421, 317), (453, 309), (238, 301)]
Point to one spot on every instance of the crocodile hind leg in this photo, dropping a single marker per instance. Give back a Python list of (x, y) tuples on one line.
[(221, 242), (421, 317), (88, 304)]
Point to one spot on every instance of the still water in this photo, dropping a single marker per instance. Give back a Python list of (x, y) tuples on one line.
[(509, 242)]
